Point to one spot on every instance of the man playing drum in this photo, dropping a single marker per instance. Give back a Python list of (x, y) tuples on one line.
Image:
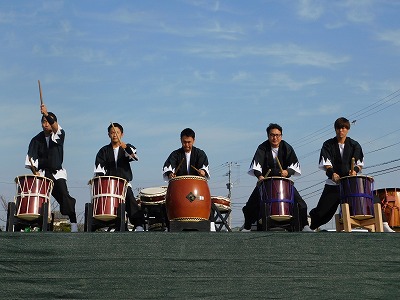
[(114, 160), (336, 159), (45, 158), (187, 160), (274, 157)]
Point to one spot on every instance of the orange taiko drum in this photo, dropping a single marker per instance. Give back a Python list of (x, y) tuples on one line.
[(188, 199), (107, 192), (223, 204), (390, 199), (32, 192)]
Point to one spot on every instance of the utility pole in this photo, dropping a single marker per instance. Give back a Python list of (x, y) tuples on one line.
[(229, 185)]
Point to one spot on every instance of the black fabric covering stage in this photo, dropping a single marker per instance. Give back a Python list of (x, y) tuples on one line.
[(188, 265)]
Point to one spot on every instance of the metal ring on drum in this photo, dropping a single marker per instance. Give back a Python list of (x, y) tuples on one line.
[(357, 191), (153, 195), (32, 192), (277, 194), (188, 199), (107, 193)]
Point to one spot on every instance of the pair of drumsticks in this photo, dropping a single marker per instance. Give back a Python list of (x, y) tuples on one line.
[(180, 164)]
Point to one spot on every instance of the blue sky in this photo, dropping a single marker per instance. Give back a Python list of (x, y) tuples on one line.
[(224, 68)]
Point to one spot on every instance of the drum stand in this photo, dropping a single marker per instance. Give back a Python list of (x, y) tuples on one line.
[(15, 224), (175, 226), (155, 217), (91, 224), (220, 218), (347, 222)]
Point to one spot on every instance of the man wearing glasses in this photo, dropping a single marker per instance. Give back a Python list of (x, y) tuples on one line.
[(277, 158)]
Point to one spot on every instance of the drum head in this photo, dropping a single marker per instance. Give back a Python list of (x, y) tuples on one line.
[(154, 191)]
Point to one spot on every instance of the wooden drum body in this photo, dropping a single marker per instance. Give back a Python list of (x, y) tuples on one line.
[(153, 195), (390, 199), (277, 193), (32, 192), (107, 193), (188, 199), (357, 191), (223, 204)]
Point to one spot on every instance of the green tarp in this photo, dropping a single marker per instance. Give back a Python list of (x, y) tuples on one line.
[(200, 265)]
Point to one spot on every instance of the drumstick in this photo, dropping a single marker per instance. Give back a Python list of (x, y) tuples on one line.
[(177, 168), (265, 176), (33, 168), (279, 164), (352, 164), (40, 93), (197, 170)]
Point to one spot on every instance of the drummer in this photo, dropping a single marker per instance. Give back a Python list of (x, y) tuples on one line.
[(114, 160), (187, 160), (45, 158), (336, 160), (265, 162)]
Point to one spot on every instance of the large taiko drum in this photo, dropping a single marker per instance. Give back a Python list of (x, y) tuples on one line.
[(390, 199), (107, 193), (32, 192), (153, 195), (223, 204), (277, 193), (358, 191), (188, 199)]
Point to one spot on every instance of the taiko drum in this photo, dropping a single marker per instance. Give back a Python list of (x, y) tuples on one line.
[(32, 192), (107, 192), (223, 204), (390, 199), (357, 191), (188, 199), (277, 193)]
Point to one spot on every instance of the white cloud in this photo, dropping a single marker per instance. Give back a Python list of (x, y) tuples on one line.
[(391, 36), (284, 80), (310, 9)]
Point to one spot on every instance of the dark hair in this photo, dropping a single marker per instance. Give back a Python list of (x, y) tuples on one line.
[(274, 126), (188, 132), (49, 114), (342, 122), (115, 125)]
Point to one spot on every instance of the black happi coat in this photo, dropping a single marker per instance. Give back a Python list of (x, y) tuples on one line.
[(263, 160), (330, 155), (105, 164), (198, 159), (46, 158)]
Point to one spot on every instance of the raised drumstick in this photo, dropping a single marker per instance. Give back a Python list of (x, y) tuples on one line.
[(180, 164), (279, 164), (40, 93)]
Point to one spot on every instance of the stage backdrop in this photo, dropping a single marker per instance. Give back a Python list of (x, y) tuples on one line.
[(190, 265)]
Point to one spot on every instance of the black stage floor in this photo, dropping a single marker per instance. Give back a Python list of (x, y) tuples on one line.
[(202, 265)]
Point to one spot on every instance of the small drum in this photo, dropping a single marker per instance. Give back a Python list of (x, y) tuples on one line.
[(357, 191), (153, 195), (390, 198), (107, 192), (188, 199), (278, 195), (32, 192), (223, 204)]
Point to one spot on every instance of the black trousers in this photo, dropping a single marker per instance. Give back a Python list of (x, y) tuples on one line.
[(64, 199), (251, 210), (132, 208)]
